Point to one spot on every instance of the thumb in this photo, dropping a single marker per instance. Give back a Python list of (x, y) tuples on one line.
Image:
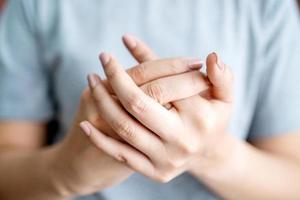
[(221, 78)]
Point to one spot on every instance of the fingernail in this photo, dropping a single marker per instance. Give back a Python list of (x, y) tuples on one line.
[(195, 63), (130, 41), (86, 128), (219, 62), (93, 80), (104, 58)]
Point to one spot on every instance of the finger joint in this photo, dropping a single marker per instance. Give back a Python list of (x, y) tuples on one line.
[(155, 91), (136, 104), (124, 129)]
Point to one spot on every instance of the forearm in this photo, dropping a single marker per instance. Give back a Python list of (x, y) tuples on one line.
[(250, 173), (27, 175)]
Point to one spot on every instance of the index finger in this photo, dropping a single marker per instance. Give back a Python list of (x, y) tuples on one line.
[(145, 109), (155, 69)]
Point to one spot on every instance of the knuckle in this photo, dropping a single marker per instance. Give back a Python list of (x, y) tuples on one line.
[(136, 103), (175, 64), (123, 128), (138, 73), (190, 148), (155, 91)]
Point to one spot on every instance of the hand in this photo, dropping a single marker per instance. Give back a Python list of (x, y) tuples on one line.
[(81, 168), (181, 135), (78, 167)]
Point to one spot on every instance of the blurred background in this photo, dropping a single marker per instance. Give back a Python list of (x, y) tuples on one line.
[(53, 126), (1, 4)]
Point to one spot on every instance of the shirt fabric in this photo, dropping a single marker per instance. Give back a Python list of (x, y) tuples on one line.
[(47, 47)]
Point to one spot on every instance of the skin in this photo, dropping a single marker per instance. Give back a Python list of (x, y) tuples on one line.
[(174, 132), (193, 141), (74, 165)]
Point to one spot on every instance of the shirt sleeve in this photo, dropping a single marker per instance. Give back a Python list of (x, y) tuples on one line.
[(278, 104), (24, 81)]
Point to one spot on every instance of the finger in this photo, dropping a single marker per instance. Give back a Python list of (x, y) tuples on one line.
[(172, 88), (118, 150), (139, 50), (118, 119), (196, 102), (152, 70), (135, 101), (221, 78)]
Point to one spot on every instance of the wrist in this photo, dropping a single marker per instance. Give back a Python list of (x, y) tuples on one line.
[(57, 174), (220, 158)]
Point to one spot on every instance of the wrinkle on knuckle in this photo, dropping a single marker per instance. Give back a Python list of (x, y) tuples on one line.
[(123, 128), (155, 91), (138, 73), (137, 104), (175, 65)]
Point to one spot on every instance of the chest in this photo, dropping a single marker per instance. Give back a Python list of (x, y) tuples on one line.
[(184, 30)]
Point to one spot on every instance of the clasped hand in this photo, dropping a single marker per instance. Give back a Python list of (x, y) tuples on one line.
[(168, 125)]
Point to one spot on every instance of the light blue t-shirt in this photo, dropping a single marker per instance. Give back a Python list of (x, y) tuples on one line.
[(47, 47)]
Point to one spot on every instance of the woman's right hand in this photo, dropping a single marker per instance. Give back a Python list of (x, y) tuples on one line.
[(79, 167)]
